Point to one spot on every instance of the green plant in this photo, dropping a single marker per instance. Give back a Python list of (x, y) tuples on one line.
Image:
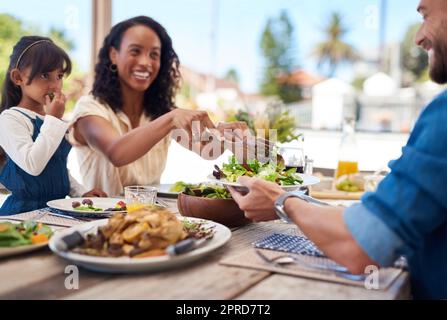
[(276, 117)]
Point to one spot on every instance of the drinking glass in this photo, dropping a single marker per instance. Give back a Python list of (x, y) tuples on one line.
[(138, 197)]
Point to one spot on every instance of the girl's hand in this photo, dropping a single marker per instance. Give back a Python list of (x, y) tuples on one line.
[(55, 107), (95, 193)]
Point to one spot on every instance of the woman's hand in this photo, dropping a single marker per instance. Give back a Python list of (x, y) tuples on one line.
[(191, 121), (239, 140), (192, 129), (55, 107), (258, 203), (95, 193), (237, 131)]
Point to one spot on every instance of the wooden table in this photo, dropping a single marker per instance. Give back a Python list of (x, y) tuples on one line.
[(41, 275)]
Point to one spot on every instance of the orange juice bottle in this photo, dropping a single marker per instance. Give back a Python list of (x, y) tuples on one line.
[(348, 153), (346, 167)]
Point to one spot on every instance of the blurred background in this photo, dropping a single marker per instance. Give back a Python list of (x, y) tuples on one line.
[(300, 67)]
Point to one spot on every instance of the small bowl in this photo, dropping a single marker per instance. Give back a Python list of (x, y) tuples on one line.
[(223, 211)]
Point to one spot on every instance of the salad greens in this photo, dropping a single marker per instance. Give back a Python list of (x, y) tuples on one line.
[(179, 186), (209, 191), (24, 233), (274, 172)]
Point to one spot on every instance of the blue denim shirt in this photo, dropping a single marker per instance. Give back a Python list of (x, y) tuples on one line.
[(407, 215)]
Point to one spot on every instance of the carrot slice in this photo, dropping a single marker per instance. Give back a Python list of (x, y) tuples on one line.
[(39, 238)]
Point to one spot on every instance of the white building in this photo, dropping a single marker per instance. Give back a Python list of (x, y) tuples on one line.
[(332, 100)]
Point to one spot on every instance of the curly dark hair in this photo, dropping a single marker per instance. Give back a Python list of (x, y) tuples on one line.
[(159, 97)]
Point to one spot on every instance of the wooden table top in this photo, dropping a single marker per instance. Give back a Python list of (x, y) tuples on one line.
[(41, 275)]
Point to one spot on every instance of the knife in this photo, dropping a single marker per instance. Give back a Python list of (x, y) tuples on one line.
[(184, 246), (72, 240)]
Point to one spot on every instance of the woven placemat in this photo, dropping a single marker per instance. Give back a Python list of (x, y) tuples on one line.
[(249, 259), (46, 217)]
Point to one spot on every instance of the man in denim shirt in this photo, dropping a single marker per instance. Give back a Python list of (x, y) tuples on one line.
[(407, 215)]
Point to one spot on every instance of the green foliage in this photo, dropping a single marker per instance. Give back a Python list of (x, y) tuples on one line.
[(275, 117), (277, 46), (284, 123), (333, 51), (358, 82), (11, 29), (414, 59), (232, 75)]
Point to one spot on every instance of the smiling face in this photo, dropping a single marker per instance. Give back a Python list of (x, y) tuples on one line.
[(138, 58), (34, 92), (432, 36)]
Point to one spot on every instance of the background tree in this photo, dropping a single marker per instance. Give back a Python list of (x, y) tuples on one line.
[(414, 59), (277, 45), (232, 75), (11, 29), (334, 50), (59, 37)]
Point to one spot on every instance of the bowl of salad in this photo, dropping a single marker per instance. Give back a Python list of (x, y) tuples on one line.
[(276, 172), (210, 202)]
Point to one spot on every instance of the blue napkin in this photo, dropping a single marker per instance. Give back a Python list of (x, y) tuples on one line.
[(290, 244)]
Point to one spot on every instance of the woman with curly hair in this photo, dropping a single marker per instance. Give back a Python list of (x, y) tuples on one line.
[(122, 130)]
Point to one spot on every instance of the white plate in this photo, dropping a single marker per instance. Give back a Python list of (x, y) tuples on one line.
[(103, 203), (308, 180), (164, 190), (126, 264), (10, 251)]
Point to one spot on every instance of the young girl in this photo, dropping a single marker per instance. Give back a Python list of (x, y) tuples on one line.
[(32, 133)]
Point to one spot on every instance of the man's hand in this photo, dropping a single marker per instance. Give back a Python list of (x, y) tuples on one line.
[(95, 193), (258, 203)]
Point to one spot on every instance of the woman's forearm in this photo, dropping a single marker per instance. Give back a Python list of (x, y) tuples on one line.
[(136, 143), (326, 228)]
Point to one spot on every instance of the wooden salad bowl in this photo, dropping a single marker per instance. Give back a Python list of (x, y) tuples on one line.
[(223, 211)]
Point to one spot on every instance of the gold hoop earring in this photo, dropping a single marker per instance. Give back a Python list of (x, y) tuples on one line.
[(113, 68)]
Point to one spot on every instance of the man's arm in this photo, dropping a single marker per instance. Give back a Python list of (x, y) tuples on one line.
[(325, 226)]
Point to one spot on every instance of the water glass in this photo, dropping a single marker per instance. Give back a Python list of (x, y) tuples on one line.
[(138, 197)]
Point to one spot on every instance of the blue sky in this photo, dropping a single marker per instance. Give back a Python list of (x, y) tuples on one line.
[(238, 28)]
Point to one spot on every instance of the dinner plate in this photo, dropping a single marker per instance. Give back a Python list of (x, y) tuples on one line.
[(10, 251), (308, 180), (129, 265), (164, 190), (65, 205)]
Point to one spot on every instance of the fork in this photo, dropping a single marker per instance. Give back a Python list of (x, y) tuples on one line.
[(162, 203), (45, 212), (41, 213), (338, 270)]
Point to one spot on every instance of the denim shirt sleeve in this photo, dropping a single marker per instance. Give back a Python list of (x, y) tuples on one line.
[(410, 204), (379, 242)]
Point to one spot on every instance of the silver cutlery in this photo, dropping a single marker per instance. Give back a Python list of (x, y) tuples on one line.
[(282, 260)]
